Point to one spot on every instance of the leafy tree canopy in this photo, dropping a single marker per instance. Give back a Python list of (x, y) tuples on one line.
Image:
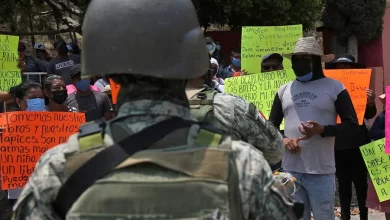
[(234, 13), (237, 13), (355, 17)]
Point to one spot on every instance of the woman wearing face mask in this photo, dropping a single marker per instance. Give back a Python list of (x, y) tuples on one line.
[(54, 89), (309, 106), (28, 97)]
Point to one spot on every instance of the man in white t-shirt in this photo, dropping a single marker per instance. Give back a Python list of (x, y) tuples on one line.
[(309, 106)]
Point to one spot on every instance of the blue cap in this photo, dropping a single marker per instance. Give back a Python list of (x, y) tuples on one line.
[(273, 55)]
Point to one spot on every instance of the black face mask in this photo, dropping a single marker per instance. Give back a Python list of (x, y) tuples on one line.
[(60, 96), (301, 66)]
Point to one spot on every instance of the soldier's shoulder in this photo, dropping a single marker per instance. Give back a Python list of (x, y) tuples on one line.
[(224, 99)]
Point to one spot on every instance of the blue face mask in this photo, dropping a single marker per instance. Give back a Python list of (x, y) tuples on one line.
[(218, 47), (305, 78), (210, 47), (83, 85), (236, 62), (36, 105)]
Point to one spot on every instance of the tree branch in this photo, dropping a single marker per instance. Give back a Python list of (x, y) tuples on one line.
[(63, 7)]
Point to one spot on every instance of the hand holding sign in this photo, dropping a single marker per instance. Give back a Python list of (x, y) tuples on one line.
[(370, 97)]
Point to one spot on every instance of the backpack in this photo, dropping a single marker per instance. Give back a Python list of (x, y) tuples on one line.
[(201, 105), (156, 182)]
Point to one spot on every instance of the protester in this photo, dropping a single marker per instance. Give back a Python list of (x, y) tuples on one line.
[(101, 83), (29, 97), (235, 65), (41, 52), (218, 83), (96, 105), (235, 116), (30, 64), (272, 62), (75, 48), (54, 89), (174, 155), (62, 64), (347, 153), (377, 132), (218, 52), (309, 106)]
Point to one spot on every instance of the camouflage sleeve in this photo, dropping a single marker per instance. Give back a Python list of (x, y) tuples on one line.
[(42, 188), (257, 131), (31, 208), (243, 120), (262, 196)]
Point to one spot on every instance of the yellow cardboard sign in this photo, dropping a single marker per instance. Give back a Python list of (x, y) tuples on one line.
[(9, 71), (256, 42), (378, 165), (259, 89)]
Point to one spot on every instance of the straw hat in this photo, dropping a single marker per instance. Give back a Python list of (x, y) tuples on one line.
[(309, 46)]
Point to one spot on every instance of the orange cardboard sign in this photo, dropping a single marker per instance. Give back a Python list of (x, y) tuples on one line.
[(356, 81), (26, 136), (114, 91)]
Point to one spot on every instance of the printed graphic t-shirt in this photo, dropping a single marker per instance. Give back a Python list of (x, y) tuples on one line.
[(61, 66), (313, 101)]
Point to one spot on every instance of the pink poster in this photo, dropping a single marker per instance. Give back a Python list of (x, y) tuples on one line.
[(387, 117)]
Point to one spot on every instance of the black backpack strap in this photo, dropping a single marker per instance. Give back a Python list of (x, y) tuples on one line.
[(106, 160)]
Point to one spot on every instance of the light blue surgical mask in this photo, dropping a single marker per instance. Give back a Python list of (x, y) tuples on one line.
[(305, 78), (210, 47), (36, 105), (218, 47), (236, 62), (83, 85)]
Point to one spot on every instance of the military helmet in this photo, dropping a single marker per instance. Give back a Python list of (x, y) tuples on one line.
[(159, 38)]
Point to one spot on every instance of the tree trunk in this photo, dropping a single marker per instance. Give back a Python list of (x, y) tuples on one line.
[(30, 21), (353, 46)]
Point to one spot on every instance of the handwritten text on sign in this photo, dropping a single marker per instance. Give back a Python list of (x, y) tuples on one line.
[(259, 89), (378, 165), (27, 136), (356, 82), (257, 42), (9, 72), (387, 119)]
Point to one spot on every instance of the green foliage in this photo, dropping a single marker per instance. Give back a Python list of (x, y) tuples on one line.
[(234, 13), (360, 17), (237, 13)]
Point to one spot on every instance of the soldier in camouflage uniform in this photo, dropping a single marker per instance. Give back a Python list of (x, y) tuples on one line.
[(235, 116), (150, 95)]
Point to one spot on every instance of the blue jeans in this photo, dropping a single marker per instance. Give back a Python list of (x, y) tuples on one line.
[(317, 192)]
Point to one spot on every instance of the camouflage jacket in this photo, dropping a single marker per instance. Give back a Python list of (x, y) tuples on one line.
[(242, 121), (262, 196)]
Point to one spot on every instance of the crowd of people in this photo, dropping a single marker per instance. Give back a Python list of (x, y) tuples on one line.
[(189, 169)]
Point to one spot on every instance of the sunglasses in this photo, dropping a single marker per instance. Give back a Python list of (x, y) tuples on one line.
[(268, 67)]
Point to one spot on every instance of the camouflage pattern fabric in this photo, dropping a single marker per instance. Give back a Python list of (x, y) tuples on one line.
[(242, 121), (262, 196)]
